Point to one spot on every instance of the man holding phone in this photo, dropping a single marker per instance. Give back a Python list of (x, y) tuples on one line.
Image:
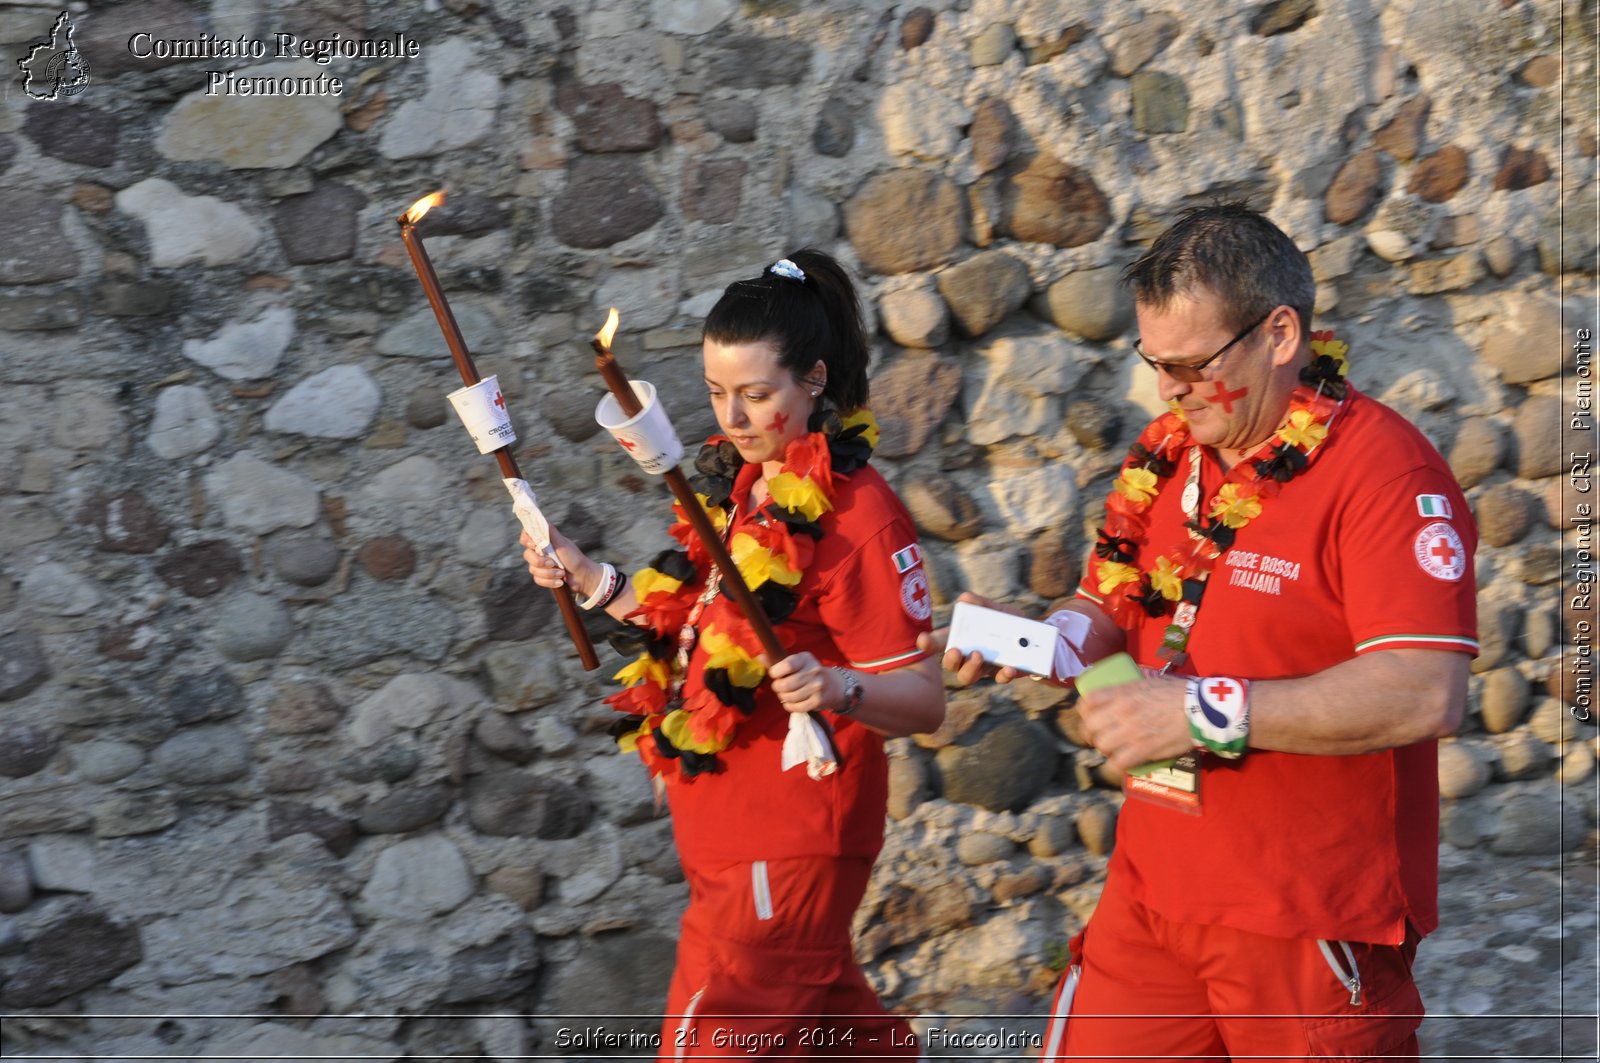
[(1290, 564)]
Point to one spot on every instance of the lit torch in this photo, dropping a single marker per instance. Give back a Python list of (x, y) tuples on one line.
[(522, 495), (627, 396)]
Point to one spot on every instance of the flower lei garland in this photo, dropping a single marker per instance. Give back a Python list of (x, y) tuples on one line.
[(1179, 574), (679, 601)]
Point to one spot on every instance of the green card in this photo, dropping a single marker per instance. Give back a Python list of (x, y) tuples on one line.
[(1108, 672), (1114, 671)]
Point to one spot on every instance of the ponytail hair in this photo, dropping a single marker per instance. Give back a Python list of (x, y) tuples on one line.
[(814, 317)]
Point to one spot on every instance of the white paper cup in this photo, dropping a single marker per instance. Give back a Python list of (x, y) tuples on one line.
[(483, 410), (648, 436)]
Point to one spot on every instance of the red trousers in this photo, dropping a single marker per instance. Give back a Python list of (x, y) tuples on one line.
[(1148, 987), (765, 967)]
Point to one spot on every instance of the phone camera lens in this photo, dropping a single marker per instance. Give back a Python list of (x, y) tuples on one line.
[(1022, 641)]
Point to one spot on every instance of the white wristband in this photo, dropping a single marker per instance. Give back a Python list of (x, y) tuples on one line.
[(607, 585), (1218, 708)]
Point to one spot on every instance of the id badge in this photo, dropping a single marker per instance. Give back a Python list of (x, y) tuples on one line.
[(1173, 784)]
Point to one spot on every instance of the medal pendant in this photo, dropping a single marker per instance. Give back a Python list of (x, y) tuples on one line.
[(1190, 499)]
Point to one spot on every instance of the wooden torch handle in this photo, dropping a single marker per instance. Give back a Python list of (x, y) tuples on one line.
[(617, 381), (469, 376)]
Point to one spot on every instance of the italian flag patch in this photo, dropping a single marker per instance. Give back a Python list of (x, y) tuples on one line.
[(907, 559), (1435, 506)]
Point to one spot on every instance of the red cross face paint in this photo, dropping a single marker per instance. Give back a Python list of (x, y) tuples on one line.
[(1221, 396), (779, 422)]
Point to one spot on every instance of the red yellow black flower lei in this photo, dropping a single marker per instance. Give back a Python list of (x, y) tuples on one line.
[(680, 600), (1126, 589)]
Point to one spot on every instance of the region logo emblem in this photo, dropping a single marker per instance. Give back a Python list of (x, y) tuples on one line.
[(53, 67)]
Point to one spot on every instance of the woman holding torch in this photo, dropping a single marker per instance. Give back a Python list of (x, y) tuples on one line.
[(777, 826)]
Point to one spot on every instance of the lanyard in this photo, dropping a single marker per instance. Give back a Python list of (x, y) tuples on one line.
[(689, 634), (1175, 640)]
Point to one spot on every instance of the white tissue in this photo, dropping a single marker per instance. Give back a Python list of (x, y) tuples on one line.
[(807, 743), (1072, 628)]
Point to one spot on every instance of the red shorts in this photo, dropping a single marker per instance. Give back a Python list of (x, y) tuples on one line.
[(766, 968), (1148, 987)]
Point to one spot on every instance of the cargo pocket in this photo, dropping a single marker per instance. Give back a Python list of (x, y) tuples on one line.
[(1385, 1008)]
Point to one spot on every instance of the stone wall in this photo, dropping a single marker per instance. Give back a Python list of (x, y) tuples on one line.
[(287, 731)]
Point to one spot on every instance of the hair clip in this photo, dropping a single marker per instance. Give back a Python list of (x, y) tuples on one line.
[(784, 268)]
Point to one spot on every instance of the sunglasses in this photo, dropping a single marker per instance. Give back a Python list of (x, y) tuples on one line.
[(1192, 372)]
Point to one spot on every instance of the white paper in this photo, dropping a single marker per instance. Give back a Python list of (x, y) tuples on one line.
[(526, 506), (807, 743)]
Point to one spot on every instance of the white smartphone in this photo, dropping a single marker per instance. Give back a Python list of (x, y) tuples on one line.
[(1026, 645)]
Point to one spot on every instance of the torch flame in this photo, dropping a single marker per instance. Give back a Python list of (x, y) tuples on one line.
[(610, 329), (422, 206)]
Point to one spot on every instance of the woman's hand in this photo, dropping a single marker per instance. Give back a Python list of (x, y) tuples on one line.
[(804, 684), (570, 566)]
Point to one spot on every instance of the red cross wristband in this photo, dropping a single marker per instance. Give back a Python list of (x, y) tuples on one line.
[(1218, 709)]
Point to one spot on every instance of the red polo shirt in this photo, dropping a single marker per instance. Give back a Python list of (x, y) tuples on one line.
[(1369, 550), (863, 600)]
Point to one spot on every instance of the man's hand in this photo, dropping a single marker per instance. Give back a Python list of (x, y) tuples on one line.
[(972, 667), (1136, 723)]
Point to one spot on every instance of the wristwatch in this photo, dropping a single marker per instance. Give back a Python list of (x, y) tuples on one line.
[(853, 692)]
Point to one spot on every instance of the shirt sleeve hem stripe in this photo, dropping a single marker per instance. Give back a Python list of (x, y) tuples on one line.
[(887, 662), (1382, 642)]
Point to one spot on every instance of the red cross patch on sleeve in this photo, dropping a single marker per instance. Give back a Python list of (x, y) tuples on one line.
[(1440, 552), (915, 595)]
